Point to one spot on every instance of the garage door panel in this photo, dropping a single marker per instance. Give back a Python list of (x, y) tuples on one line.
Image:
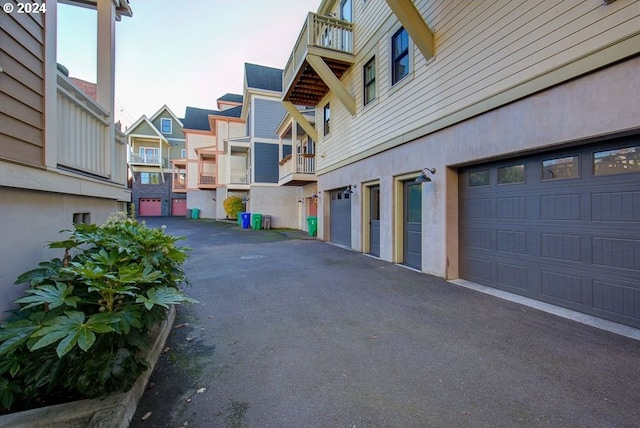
[(340, 218), (573, 242)]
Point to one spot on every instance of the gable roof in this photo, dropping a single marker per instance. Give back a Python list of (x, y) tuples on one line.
[(166, 108), (231, 98), (197, 118), (261, 77), (145, 119)]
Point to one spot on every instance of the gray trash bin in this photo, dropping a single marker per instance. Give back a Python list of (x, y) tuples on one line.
[(266, 222)]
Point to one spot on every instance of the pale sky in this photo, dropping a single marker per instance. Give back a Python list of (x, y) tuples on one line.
[(187, 52)]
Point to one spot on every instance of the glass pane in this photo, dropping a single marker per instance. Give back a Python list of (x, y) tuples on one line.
[(375, 203), (414, 203), (566, 167), (479, 178), (400, 42), (400, 68), (511, 174), (618, 161)]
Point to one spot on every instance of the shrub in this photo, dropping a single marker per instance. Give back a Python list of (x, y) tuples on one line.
[(232, 206), (86, 318)]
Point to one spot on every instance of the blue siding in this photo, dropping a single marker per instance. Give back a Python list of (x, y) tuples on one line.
[(286, 150), (267, 115), (266, 162)]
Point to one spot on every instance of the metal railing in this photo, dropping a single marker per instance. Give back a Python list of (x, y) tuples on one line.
[(207, 178), (240, 176), (148, 160), (322, 32)]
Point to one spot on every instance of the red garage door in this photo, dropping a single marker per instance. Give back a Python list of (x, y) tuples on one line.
[(150, 207), (179, 207)]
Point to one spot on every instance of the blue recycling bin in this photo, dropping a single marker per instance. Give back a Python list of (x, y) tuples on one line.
[(246, 220)]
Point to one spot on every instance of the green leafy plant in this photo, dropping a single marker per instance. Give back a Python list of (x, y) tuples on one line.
[(86, 318), (233, 206)]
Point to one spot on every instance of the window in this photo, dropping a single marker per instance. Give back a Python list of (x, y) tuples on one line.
[(327, 119), (165, 126), (618, 161), (565, 167), (511, 174), (369, 81), (399, 55), (479, 178), (150, 155), (150, 178), (183, 153)]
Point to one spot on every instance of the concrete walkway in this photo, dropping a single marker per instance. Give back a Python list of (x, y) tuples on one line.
[(293, 332)]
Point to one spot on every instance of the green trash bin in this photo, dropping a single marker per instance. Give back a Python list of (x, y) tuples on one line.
[(256, 221), (195, 213), (240, 218), (312, 222)]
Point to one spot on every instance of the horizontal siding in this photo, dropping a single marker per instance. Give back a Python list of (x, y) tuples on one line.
[(267, 115), (22, 88), (266, 162), (483, 48)]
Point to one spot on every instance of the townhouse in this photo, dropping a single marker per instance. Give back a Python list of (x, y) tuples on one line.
[(491, 142), (204, 174), (62, 160), (153, 144), (263, 112)]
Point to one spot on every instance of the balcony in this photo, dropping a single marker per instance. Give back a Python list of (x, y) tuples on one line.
[(239, 179), (135, 159), (207, 180), (297, 170), (83, 132), (323, 52)]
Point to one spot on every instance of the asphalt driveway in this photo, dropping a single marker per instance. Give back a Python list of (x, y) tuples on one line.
[(292, 332)]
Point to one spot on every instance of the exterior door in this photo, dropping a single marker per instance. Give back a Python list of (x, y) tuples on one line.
[(150, 207), (374, 221), (340, 218), (179, 207), (412, 224)]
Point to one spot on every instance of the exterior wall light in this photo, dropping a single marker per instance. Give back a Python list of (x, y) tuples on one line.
[(422, 178), (348, 190)]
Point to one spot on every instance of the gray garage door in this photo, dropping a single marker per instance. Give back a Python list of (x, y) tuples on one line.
[(340, 218), (561, 227)]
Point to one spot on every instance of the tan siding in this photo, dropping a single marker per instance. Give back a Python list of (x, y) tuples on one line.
[(483, 48), (22, 88)]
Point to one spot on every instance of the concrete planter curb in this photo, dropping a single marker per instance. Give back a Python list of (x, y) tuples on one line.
[(114, 411)]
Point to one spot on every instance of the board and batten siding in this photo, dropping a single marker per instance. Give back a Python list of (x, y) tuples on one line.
[(22, 88), (265, 159), (485, 50), (267, 116)]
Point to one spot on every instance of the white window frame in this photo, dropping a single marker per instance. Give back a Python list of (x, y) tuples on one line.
[(162, 123), (143, 153)]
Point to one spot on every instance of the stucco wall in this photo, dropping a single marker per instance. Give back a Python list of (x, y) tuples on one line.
[(204, 201), (586, 109), (29, 220), (281, 203)]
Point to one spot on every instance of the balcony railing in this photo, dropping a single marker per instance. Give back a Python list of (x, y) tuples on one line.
[(147, 160), (240, 176), (207, 178), (83, 132), (179, 184), (300, 164), (321, 32)]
